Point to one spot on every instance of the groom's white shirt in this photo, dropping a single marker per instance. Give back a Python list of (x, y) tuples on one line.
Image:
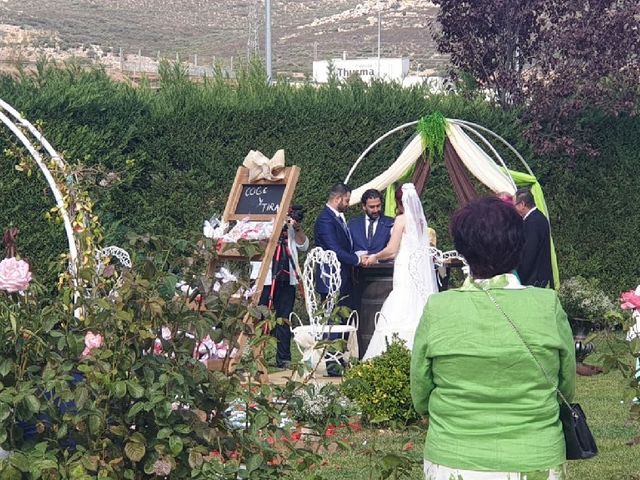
[(337, 213), (367, 221), (340, 215)]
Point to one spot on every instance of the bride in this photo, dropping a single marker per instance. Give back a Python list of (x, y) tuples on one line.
[(413, 274)]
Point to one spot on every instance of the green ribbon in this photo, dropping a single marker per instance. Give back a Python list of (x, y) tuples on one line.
[(522, 179)]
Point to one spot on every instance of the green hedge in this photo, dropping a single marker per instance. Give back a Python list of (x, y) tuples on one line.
[(176, 149)]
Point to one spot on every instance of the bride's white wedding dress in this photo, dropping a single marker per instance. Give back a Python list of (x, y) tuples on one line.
[(413, 280)]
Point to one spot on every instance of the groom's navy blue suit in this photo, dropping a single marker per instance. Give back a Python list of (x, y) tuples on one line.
[(331, 233), (381, 236)]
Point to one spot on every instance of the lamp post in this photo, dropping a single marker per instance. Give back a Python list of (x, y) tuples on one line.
[(267, 42), (379, 35)]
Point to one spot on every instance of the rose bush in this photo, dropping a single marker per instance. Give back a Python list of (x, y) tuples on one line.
[(86, 397)]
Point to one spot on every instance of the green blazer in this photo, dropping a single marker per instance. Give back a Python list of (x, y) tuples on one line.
[(490, 407)]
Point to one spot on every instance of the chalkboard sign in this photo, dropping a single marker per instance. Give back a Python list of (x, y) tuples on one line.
[(260, 199)]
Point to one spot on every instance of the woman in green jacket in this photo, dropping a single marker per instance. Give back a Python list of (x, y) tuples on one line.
[(493, 415)]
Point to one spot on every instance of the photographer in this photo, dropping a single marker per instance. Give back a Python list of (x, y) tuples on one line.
[(279, 291)]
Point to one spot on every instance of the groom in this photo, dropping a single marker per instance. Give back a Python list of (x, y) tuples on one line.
[(372, 230), (331, 233)]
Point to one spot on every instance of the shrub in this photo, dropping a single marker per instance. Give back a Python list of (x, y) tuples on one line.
[(318, 407), (583, 299), (380, 386)]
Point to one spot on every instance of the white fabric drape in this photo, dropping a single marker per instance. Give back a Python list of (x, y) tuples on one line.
[(481, 165), (477, 161), (407, 158)]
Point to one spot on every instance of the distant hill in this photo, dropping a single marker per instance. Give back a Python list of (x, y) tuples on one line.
[(233, 28)]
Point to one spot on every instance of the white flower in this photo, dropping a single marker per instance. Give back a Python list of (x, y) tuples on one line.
[(214, 228), (184, 288), (208, 229), (226, 276), (247, 230), (166, 333)]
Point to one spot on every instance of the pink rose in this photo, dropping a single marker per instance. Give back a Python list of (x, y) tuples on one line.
[(629, 300), (221, 350), (14, 275), (91, 341)]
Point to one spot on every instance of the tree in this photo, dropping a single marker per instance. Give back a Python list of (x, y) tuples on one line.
[(588, 64), (561, 60), (492, 40)]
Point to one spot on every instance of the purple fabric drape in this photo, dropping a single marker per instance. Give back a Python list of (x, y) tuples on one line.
[(421, 174), (462, 186)]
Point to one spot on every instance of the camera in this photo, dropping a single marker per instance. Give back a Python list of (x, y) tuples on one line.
[(296, 213)]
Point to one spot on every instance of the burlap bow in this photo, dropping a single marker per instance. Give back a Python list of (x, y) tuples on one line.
[(262, 168)]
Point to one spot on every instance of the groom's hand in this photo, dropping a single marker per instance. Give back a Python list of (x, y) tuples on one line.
[(371, 260)]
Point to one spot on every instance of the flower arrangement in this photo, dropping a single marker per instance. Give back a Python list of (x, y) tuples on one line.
[(582, 298), (217, 229), (320, 406)]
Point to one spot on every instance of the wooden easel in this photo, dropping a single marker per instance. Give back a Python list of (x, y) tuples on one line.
[(256, 201)]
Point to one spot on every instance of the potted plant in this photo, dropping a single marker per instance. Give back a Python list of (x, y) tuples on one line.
[(585, 302), (587, 305), (320, 409)]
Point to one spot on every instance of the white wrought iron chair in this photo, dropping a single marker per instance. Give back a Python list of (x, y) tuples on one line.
[(308, 337)]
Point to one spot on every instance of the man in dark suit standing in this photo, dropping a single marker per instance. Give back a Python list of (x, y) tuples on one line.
[(535, 264), (372, 230), (331, 233)]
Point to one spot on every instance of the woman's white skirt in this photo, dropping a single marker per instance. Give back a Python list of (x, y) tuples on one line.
[(433, 471)]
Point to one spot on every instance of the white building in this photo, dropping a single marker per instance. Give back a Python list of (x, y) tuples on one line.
[(389, 69)]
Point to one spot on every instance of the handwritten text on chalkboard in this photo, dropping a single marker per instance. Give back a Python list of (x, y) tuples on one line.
[(260, 199)]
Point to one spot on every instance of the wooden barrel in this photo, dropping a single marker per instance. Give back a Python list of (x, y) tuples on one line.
[(373, 285)]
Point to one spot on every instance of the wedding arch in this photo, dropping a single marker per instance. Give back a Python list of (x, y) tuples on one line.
[(451, 140)]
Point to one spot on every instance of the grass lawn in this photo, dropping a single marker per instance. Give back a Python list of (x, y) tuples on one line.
[(600, 397)]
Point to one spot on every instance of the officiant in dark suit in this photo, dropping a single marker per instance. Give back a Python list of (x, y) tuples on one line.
[(331, 233), (370, 231), (535, 263)]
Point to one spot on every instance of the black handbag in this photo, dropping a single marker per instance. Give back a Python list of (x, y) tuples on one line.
[(578, 438)]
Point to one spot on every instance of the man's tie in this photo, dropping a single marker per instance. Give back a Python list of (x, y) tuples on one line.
[(345, 228), (370, 231)]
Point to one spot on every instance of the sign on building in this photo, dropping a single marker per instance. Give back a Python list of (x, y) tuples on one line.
[(388, 69)]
